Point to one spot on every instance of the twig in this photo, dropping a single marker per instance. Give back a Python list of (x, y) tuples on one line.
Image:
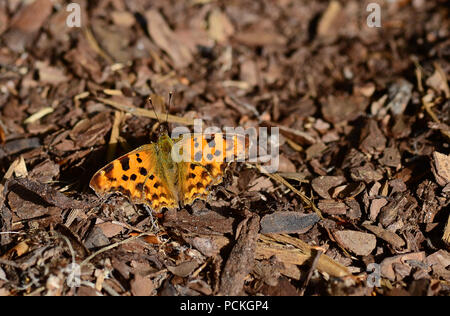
[(311, 271), (281, 180), (86, 261), (94, 45), (9, 263), (146, 113), (114, 139), (109, 290)]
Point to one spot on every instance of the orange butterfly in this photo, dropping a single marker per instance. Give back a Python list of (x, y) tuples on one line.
[(170, 173)]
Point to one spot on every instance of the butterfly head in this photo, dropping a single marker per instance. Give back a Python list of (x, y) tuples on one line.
[(163, 129)]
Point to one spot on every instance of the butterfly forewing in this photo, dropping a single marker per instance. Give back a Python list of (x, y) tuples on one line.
[(137, 176)]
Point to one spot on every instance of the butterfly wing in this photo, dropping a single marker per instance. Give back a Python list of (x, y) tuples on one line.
[(205, 158), (138, 176)]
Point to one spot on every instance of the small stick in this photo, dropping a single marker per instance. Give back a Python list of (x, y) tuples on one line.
[(86, 261), (146, 113), (311, 271)]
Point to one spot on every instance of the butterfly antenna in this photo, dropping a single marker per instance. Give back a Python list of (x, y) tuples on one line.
[(149, 100), (168, 108)]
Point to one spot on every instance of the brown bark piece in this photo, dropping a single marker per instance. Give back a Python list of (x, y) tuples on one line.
[(359, 243), (240, 261)]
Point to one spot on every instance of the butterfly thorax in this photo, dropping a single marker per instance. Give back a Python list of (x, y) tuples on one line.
[(167, 167)]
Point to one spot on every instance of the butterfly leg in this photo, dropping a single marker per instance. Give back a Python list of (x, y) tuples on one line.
[(154, 223)]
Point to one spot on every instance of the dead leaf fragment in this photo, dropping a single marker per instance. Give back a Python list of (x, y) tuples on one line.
[(164, 37), (183, 269)]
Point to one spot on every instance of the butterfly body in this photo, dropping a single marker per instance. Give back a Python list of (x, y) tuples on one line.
[(150, 175)]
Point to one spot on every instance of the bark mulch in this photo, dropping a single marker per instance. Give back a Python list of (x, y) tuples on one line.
[(360, 202)]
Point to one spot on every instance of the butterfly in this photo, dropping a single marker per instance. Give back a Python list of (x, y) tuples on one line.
[(170, 173)]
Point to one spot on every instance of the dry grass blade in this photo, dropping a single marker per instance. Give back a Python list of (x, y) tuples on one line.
[(277, 244), (281, 180), (146, 113), (428, 108), (94, 45), (39, 114), (446, 236), (114, 139)]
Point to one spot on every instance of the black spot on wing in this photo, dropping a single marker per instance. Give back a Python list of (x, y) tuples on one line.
[(133, 177), (124, 191), (125, 177), (200, 185), (125, 162), (140, 187), (151, 177), (109, 168), (143, 171)]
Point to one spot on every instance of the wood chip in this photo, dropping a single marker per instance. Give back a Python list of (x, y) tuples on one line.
[(392, 238), (361, 244), (164, 37), (141, 286), (240, 261), (31, 17), (332, 207), (219, 26), (441, 168), (183, 269), (328, 18), (387, 265), (288, 222), (323, 185)]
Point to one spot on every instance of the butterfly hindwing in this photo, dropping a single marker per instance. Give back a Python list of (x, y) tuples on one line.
[(208, 157)]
